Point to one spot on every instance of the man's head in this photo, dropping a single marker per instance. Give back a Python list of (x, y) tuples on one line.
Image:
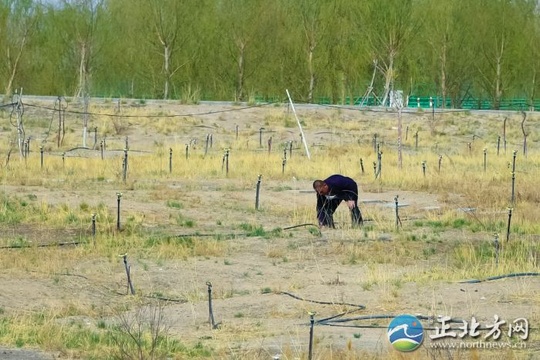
[(321, 187)]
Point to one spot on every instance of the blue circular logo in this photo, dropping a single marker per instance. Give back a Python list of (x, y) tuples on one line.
[(405, 333)]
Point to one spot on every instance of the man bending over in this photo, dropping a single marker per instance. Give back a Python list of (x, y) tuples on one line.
[(330, 193)]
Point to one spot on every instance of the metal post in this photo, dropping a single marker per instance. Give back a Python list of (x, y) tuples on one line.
[(398, 221), (211, 320), (257, 192), (302, 136), (207, 144), (362, 165), (236, 130), (101, 148), (94, 228), (260, 136), (416, 140), (125, 165), (379, 164), (119, 196), (227, 162), (508, 227), (269, 144), (498, 144), (128, 273), (63, 160), (440, 162), (170, 160), (406, 132), (312, 323), (290, 149), (283, 163), (375, 169), (187, 151), (485, 159), (424, 167), (41, 154)]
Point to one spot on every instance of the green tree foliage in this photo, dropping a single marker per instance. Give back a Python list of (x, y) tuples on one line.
[(243, 50), (18, 23)]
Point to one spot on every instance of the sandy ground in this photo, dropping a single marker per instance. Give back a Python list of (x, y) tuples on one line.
[(256, 280)]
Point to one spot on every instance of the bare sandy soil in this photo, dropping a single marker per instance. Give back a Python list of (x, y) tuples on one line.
[(256, 279)]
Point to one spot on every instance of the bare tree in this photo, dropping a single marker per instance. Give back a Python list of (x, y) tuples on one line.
[(313, 27), (79, 22), (388, 26), (18, 22), (165, 23), (494, 65)]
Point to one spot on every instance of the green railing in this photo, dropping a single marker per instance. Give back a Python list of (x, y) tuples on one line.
[(426, 102), (421, 102)]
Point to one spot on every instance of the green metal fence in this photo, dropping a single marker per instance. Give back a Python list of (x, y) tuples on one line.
[(421, 102)]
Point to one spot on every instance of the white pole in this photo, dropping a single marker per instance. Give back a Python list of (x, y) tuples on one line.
[(299, 125)]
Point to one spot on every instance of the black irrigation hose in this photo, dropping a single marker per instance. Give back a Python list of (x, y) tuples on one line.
[(337, 320), (10, 104), (232, 235), (475, 281), (389, 316), (161, 298), (156, 116), (300, 225), (40, 245), (322, 321), (362, 307)]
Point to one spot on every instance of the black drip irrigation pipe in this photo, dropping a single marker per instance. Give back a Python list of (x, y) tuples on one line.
[(322, 321), (361, 307), (300, 225), (339, 321), (230, 235), (41, 245), (475, 281)]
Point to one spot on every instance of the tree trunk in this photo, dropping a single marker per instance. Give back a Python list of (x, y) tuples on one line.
[(443, 76), (240, 75), (81, 89), (13, 67), (166, 69), (311, 73), (498, 79), (388, 78)]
